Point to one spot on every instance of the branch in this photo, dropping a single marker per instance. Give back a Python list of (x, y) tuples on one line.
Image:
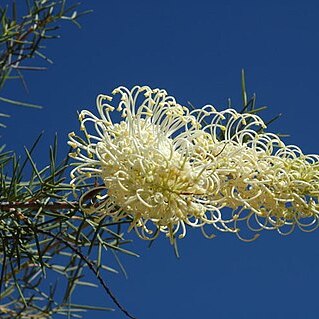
[(8, 206), (92, 267), (13, 206)]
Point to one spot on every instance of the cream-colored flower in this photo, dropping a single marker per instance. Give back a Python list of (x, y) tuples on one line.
[(268, 185), (164, 168), (149, 163)]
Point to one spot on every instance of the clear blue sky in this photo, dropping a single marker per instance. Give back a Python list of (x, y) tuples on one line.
[(195, 50)]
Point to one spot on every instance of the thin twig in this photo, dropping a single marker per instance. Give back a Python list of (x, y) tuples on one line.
[(90, 264), (63, 205), (7, 206)]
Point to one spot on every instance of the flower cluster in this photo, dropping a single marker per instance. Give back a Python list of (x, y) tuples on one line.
[(163, 167), (269, 185)]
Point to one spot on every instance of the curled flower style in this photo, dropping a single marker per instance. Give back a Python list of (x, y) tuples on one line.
[(268, 185), (149, 164)]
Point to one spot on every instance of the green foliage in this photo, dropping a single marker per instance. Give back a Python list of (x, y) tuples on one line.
[(43, 231), (47, 245), (24, 29)]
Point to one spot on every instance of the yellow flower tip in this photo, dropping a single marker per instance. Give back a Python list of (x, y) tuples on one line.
[(163, 93), (71, 134), (235, 216), (110, 108), (72, 144), (212, 236), (107, 97), (116, 91), (73, 155)]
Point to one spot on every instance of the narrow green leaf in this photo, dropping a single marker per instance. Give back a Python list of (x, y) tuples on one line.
[(86, 283), (17, 284), (243, 88), (87, 307), (35, 170), (20, 103), (120, 264)]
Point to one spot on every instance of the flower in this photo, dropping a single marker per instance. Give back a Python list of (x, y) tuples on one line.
[(163, 167), (268, 185), (149, 163)]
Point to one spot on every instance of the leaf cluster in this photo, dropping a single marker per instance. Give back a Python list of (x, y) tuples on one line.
[(47, 245), (23, 33), (44, 235)]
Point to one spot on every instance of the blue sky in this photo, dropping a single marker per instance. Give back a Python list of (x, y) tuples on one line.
[(195, 50)]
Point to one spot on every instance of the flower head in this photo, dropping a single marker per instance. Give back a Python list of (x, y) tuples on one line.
[(164, 167), (149, 163)]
